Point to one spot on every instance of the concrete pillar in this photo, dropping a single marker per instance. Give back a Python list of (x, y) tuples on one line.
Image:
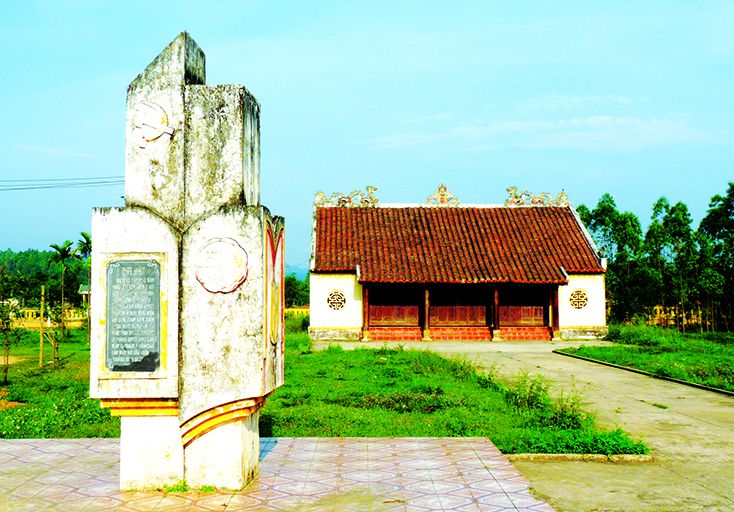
[(187, 309)]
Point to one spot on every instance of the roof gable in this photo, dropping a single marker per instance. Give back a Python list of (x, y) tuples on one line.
[(453, 245)]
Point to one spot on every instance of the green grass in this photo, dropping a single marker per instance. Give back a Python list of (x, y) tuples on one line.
[(55, 400), (706, 360), (378, 392), (406, 393)]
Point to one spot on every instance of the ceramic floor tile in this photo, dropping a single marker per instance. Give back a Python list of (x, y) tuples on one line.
[(310, 474)]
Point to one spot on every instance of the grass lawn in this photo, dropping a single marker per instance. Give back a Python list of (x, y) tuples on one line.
[(388, 392), (666, 353), (376, 392), (54, 401)]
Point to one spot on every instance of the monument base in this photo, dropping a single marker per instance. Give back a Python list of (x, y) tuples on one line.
[(226, 457), (151, 454)]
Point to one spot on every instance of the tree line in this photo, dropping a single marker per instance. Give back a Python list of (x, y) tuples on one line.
[(62, 270), (673, 273), (23, 273), (680, 276)]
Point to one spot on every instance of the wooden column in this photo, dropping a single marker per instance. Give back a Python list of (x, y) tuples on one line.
[(365, 313), (496, 333), (554, 314), (426, 316)]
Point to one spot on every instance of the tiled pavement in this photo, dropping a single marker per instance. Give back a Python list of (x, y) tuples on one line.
[(302, 474)]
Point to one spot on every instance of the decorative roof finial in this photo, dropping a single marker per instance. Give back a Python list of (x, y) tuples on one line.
[(525, 198), (443, 197), (356, 198)]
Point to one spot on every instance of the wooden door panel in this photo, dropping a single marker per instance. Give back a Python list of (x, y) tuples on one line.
[(394, 315), (458, 315), (531, 316)]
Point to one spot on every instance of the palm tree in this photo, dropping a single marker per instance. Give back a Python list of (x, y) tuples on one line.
[(62, 254), (84, 246), (84, 251)]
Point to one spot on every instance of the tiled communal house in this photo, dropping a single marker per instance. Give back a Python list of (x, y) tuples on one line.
[(521, 271)]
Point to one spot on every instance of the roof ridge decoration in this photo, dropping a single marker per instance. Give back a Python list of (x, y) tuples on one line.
[(443, 197), (525, 198), (355, 198)]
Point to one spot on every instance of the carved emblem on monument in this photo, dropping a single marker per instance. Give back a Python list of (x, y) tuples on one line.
[(151, 122), (221, 265), (274, 284)]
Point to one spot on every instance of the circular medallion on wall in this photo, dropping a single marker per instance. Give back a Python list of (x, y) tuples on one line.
[(579, 299), (336, 300), (221, 265), (150, 122)]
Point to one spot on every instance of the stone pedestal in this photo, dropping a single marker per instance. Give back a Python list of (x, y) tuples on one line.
[(187, 282), (236, 449), (151, 454)]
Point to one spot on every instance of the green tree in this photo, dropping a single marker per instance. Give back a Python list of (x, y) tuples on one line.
[(677, 226), (84, 246), (84, 252), (296, 291), (709, 283), (8, 310), (63, 254), (718, 226), (619, 237), (655, 249)]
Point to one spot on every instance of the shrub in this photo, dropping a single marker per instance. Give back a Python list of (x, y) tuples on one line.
[(529, 392), (296, 323)]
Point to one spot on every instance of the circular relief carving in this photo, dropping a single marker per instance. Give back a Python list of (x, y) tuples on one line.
[(336, 300), (579, 299), (151, 122), (221, 265)]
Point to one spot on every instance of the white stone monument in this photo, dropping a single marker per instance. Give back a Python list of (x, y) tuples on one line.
[(187, 280)]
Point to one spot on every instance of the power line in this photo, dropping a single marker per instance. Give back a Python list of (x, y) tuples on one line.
[(59, 183), (35, 180)]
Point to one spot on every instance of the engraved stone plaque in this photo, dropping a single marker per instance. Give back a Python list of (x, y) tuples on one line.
[(133, 316)]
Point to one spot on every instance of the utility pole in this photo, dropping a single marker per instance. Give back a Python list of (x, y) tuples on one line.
[(43, 304)]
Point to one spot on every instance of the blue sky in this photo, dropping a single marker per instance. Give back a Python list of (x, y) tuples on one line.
[(634, 99)]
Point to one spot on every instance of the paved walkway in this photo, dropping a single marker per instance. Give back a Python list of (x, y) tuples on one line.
[(690, 432), (298, 474)]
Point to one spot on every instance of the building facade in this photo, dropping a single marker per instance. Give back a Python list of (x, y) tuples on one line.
[(525, 270)]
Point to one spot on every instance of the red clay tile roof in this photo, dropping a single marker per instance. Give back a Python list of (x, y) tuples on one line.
[(453, 245)]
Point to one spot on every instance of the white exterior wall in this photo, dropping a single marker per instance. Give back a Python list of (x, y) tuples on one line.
[(323, 317), (593, 315)]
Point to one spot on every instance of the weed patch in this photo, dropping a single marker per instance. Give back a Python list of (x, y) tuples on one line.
[(181, 486), (405, 393)]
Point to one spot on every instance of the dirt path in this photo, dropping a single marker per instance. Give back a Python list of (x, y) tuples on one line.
[(690, 432)]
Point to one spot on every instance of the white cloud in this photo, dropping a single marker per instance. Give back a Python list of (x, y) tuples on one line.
[(592, 132), (575, 102)]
